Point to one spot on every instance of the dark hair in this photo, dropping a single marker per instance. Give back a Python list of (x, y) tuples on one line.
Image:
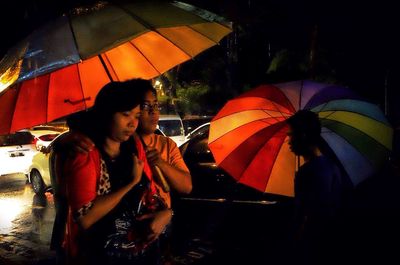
[(115, 97), (120, 96), (306, 125)]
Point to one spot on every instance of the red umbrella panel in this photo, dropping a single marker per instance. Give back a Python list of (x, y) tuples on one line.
[(59, 68), (248, 137)]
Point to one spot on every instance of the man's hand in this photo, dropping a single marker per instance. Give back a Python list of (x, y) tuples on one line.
[(153, 157), (78, 141)]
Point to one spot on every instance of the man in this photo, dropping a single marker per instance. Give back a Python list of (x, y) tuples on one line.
[(318, 191), (162, 152)]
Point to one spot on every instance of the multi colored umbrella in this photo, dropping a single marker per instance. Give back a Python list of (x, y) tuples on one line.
[(248, 137), (60, 67)]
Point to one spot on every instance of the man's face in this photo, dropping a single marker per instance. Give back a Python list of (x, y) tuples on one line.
[(296, 143), (150, 114)]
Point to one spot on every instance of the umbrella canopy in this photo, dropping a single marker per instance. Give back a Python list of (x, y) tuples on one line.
[(60, 67), (248, 137)]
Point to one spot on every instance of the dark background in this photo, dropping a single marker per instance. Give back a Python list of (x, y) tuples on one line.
[(355, 41)]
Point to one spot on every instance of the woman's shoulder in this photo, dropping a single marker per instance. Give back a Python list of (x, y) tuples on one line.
[(93, 155)]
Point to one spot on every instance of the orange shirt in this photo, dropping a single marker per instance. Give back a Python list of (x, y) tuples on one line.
[(169, 151)]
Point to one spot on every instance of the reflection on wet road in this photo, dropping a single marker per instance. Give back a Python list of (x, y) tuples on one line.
[(26, 221)]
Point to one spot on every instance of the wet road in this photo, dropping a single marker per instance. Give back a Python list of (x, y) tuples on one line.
[(26, 222), (214, 231), (200, 229)]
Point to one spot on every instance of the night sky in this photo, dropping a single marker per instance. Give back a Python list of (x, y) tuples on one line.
[(360, 38)]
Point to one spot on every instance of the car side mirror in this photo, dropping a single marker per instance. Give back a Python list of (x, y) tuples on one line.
[(44, 149)]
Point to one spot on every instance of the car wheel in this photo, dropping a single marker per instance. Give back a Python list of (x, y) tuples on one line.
[(37, 182)]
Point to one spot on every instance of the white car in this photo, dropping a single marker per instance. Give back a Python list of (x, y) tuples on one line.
[(172, 126), (43, 137), (39, 170), (16, 152)]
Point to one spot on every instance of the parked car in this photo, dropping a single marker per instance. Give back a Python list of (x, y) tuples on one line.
[(43, 137), (190, 123), (16, 152), (210, 181), (39, 174), (172, 126), (200, 130)]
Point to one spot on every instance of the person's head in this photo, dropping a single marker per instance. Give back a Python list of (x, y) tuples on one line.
[(304, 132), (116, 110), (150, 110)]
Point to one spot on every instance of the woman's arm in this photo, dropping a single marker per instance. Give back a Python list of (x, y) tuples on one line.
[(82, 190), (159, 221)]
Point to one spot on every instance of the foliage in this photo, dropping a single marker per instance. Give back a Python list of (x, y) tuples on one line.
[(191, 98)]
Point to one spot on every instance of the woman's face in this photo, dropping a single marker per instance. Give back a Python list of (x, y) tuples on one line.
[(124, 124), (150, 114)]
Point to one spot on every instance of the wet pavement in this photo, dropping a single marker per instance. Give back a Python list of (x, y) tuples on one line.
[(26, 222), (216, 231)]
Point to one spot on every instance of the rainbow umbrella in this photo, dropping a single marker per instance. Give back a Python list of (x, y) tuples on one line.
[(248, 137)]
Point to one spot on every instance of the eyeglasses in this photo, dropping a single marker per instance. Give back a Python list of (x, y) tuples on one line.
[(148, 107)]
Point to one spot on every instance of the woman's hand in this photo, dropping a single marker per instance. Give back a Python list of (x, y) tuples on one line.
[(158, 221), (137, 170)]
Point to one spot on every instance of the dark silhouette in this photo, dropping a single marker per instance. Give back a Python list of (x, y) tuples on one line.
[(318, 193)]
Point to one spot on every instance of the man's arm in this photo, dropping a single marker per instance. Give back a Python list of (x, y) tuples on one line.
[(176, 172), (74, 141)]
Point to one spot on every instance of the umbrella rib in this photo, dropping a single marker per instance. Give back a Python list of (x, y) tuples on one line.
[(354, 128), (276, 105), (73, 34), (151, 28), (265, 111), (141, 21), (144, 56), (189, 26), (301, 93), (259, 149), (173, 43), (15, 104), (80, 82), (355, 112), (349, 143), (47, 98), (105, 66)]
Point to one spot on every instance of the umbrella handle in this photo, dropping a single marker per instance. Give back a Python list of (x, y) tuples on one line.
[(74, 102)]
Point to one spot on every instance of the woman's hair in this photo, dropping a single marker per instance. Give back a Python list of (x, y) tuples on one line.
[(114, 97)]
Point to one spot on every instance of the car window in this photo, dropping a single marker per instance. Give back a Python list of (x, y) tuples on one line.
[(170, 127), (199, 131), (18, 138), (48, 137)]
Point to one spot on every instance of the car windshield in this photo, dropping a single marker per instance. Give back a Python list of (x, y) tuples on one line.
[(170, 127), (18, 138), (48, 137)]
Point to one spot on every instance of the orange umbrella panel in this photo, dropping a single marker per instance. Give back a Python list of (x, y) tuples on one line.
[(59, 68)]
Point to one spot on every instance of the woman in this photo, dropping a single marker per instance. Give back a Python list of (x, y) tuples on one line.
[(106, 189)]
